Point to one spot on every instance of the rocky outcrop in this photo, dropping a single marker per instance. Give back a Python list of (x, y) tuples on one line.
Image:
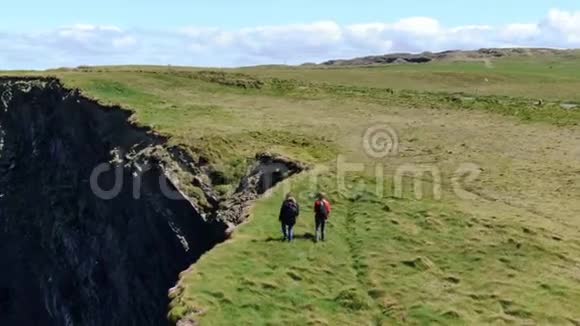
[(94, 228), (425, 57)]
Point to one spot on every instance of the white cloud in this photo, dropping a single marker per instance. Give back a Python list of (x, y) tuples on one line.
[(84, 32), (124, 42), (419, 26), (297, 43), (520, 31), (564, 24), (567, 22)]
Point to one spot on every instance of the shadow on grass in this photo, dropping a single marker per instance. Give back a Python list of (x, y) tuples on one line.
[(305, 236)]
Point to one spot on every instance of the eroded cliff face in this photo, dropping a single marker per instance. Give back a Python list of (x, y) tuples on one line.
[(74, 256)]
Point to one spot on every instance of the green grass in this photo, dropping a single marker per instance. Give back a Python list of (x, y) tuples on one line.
[(548, 78), (387, 261), (163, 109)]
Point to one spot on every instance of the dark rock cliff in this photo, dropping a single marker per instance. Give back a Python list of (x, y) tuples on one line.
[(93, 229)]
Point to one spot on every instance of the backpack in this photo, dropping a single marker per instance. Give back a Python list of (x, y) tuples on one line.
[(321, 209), (292, 208)]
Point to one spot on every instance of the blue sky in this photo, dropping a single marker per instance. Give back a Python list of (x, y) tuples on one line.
[(235, 14), (232, 33)]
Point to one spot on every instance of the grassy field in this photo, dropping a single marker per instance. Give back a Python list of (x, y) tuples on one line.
[(499, 245), (387, 261), (534, 77)]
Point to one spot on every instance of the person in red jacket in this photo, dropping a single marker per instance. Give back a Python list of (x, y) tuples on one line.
[(322, 211)]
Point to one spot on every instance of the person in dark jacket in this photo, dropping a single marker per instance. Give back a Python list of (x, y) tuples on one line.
[(322, 210), (288, 214)]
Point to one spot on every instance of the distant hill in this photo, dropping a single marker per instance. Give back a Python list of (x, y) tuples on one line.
[(453, 55)]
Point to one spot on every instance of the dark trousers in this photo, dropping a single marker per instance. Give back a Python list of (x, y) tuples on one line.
[(288, 231), (320, 226)]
